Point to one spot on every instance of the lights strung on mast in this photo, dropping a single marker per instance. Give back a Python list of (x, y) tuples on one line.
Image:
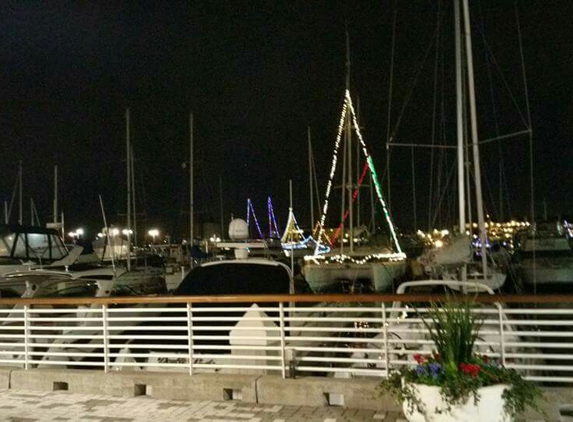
[(273, 226), (348, 107), (251, 210)]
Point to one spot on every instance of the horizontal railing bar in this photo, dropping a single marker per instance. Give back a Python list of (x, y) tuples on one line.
[(306, 298), (78, 354), (339, 360), (343, 370), (229, 366), (66, 362)]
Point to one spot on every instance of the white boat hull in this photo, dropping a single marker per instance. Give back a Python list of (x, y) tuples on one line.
[(547, 272), (328, 277)]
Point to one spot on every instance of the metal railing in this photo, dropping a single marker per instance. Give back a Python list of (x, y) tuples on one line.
[(320, 335)]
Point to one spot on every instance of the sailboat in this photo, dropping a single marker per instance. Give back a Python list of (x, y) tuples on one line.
[(356, 262), (456, 263)]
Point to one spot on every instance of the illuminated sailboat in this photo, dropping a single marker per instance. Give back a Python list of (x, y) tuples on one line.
[(294, 241), (357, 262)]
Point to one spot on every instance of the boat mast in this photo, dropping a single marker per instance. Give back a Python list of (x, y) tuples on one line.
[(20, 219), (474, 134), (310, 179), (133, 202), (128, 166), (191, 205), (349, 146), (459, 119), (291, 239), (55, 210), (221, 206)]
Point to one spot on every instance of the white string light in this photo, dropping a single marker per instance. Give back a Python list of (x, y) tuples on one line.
[(348, 105)]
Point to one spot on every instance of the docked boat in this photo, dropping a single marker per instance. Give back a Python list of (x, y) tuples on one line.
[(455, 262), (29, 247), (545, 256), (356, 261)]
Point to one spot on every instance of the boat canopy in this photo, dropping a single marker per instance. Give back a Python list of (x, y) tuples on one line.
[(30, 243)]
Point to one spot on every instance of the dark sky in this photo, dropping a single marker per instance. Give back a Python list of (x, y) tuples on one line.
[(256, 74)]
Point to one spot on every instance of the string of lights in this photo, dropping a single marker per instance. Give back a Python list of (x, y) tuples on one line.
[(273, 226), (354, 196), (251, 210), (348, 107)]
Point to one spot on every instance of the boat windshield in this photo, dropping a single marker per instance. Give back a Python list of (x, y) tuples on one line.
[(27, 245), (6, 244)]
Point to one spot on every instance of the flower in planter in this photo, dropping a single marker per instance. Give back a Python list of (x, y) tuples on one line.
[(455, 369)]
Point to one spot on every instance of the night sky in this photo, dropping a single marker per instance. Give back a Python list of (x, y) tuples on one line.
[(256, 74)]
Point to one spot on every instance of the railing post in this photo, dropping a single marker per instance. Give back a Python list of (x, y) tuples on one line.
[(283, 343), (105, 338), (190, 337), (26, 340), (385, 336), (501, 334)]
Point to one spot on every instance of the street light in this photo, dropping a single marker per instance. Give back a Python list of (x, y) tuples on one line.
[(153, 233), (75, 235)]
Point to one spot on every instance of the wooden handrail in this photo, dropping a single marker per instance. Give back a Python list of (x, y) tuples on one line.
[(306, 298)]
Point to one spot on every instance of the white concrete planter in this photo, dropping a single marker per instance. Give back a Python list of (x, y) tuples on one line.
[(489, 407)]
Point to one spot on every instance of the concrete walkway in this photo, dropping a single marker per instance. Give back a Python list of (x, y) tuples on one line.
[(30, 406)]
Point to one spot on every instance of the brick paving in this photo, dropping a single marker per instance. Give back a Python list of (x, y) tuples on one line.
[(31, 406)]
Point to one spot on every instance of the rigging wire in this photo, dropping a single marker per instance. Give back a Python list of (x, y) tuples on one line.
[(531, 187), (494, 115), (434, 102), (391, 84), (525, 119)]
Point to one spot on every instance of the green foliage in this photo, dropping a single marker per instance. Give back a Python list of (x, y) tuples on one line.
[(455, 367)]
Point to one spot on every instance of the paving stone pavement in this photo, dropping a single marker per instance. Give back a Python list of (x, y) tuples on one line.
[(31, 406)]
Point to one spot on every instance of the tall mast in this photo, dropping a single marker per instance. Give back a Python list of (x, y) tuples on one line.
[(291, 239), (221, 205), (128, 154), (55, 210), (310, 179), (350, 182), (133, 206), (191, 205), (474, 134), (20, 218), (459, 119)]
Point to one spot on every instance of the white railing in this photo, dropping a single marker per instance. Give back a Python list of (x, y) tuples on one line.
[(337, 339)]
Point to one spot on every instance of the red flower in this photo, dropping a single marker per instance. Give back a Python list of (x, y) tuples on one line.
[(470, 369), (419, 358)]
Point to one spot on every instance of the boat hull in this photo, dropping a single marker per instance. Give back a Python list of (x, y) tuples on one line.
[(549, 272), (331, 277)]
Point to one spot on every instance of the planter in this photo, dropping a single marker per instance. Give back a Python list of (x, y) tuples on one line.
[(489, 407)]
